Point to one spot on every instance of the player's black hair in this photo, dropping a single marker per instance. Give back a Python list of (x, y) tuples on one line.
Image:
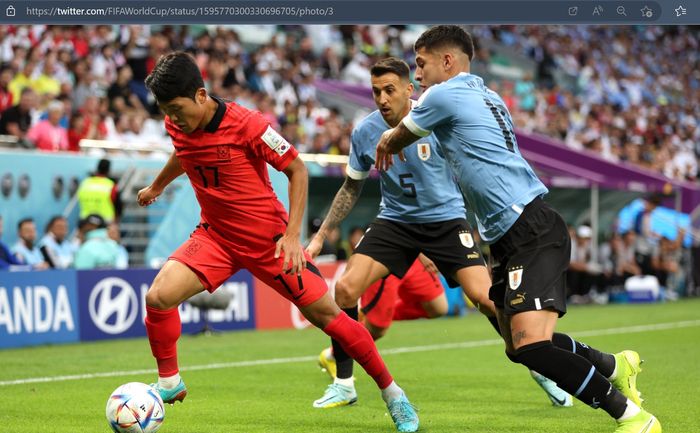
[(390, 65), (175, 75), (446, 35), (24, 221)]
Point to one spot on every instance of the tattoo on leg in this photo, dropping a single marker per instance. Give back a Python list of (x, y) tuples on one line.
[(518, 336)]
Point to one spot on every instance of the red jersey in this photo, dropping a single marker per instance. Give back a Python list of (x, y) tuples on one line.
[(226, 164)]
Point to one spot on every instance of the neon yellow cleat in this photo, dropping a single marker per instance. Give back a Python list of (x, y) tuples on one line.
[(628, 366), (327, 362), (643, 422)]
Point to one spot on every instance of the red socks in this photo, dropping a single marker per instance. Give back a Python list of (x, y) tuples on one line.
[(358, 343), (163, 328), (404, 311)]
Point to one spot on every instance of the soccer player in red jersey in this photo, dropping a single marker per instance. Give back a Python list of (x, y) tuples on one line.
[(224, 149)]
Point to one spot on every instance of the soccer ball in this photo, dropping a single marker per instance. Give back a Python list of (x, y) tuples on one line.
[(135, 408)]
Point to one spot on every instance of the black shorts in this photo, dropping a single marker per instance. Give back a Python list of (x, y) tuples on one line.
[(396, 245), (532, 259)]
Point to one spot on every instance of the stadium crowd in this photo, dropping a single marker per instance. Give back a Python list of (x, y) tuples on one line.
[(618, 91)]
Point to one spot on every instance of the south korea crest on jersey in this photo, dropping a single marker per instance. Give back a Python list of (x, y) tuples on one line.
[(515, 277), (423, 151), (466, 239)]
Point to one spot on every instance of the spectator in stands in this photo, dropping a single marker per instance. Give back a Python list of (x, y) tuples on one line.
[(626, 253), (48, 135), (105, 65), (17, 119), (123, 256), (79, 236), (67, 109), (93, 117), (86, 85), (98, 251), (583, 272), (120, 95), (5, 94), (525, 92), (98, 194), (646, 238), (46, 84), (357, 70), (79, 130), (7, 259), (666, 262), (23, 80), (607, 257), (26, 250), (55, 246)]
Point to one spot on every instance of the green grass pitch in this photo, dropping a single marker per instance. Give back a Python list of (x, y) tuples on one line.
[(452, 369)]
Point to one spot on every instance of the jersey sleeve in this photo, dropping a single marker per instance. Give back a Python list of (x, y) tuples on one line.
[(268, 144), (433, 108), (359, 165)]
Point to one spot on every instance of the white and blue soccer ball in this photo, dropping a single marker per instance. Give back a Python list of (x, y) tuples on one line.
[(135, 408)]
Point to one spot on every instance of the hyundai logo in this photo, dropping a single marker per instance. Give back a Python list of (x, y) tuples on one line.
[(113, 305)]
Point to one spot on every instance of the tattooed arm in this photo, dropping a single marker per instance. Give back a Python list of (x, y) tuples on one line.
[(343, 203)]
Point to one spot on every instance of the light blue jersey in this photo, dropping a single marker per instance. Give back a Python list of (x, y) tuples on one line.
[(31, 257), (419, 190), (62, 253), (475, 132)]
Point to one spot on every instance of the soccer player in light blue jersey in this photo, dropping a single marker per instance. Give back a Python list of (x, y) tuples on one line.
[(529, 240), (421, 211)]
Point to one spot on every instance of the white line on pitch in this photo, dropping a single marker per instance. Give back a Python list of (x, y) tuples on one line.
[(412, 349)]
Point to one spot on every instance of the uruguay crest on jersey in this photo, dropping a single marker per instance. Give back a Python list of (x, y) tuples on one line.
[(423, 151), (515, 277), (466, 239)]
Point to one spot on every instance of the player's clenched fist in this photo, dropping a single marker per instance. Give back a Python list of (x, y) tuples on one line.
[(147, 195)]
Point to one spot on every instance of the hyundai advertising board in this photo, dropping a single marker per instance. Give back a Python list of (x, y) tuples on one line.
[(38, 308), (112, 305)]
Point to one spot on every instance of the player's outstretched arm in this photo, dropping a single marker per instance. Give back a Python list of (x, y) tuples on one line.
[(344, 201), (393, 141), (289, 244), (168, 173)]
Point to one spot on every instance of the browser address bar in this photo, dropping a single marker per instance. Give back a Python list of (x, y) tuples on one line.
[(327, 12)]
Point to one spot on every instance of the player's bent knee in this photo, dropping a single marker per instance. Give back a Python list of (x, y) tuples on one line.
[(532, 354), (346, 295), (436, 308), (321, 312), (154, 299)]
